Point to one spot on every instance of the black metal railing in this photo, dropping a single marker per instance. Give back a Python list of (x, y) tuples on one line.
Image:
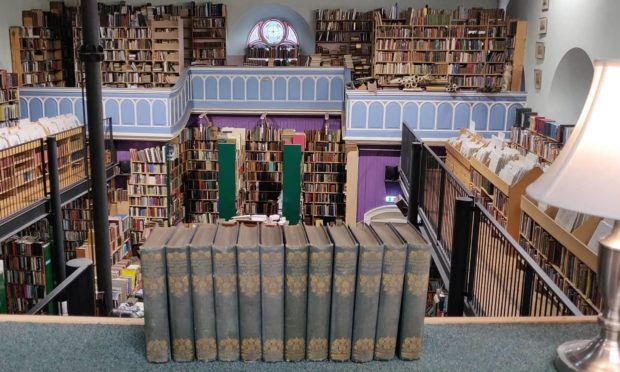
[(489, 273)]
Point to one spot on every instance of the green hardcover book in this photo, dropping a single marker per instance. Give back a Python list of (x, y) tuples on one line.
[(202, 292), (391, 291), (156, 326), (319, 293), (367, 290), (272, 291), (179, 294), (226, 301), (296, 296), (343, 292), (414, 292), (248, 266)]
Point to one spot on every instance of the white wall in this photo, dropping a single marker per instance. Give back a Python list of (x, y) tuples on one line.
[(239, 12), (589, 25)]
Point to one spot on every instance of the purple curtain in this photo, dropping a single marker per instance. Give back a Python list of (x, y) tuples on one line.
[(372, 188)]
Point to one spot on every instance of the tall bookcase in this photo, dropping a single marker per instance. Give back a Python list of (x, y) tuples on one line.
[(76, 220), (468, 48), (209, 35), (168, 50), (28, 272), (154, 188), (263, 170), (199, 151), (9, 99), (340, 32), (324, 177), (563, 255)]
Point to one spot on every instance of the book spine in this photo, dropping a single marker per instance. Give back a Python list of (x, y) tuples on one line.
[(414, 302), (248, 264), (390, 301), (180, 300), (272, 278), (204, 304), (343, 296), (319, 296), (367, 303), (226, 304), (295, 304), (156, 331)]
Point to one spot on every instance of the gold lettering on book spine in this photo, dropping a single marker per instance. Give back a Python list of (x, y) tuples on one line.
[(250, 349), (341, 349), (317, 348), (157, 350), (295, 348), (206, 348), (411, 348), (183, 349)]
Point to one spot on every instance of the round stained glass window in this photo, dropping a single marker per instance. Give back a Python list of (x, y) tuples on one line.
[(273, 32)]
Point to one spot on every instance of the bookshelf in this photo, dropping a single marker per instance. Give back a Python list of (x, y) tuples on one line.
[(279, 55), (120, 236), (499, 197), (563, 255), (542, 137), (154, 189), (71, 156), (342, 32), (168, 50), (263, 170), (9, 99), (28, 272), (209, 35), (324, 177), (199, 150), (76, 220), (465, 47)]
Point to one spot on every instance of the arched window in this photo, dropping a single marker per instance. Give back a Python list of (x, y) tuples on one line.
[(271, 33)]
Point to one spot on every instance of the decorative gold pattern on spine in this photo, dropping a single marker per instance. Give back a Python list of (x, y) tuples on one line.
[(183, 349), (153, 286), (202, 284), (417, 283), (296, 284), (319, 284), (250, 349), (178, 285), (226, 284), (206, 349), (249, 285), (229, 349), (363, 348), (157, 350), (393, 284), (317, 348), (385, 348), (341, 349), (273, 349), (411, 348), (295, 349), (273, 285), (370, 284), (344, 284)]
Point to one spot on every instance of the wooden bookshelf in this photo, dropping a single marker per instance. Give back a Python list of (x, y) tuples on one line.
[(9, 99), (468, 48), (282, 55), (199, 151), (27, 271), (209, 35), (263, 170), (71, 156), (500, 198), (458, 164), (76, 220), (324, 177), (168, 50), (563, 255), (36, 54), (515, 53), (342, 32), (154, 189), (120, 237)]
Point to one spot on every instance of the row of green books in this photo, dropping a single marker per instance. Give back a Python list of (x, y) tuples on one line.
[(246, 291)]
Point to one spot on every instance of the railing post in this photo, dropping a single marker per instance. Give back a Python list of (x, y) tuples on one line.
[(442, 192), (461, 237), (414, 183), (81, 293), (55, 216), (526, 294), (421, 191)]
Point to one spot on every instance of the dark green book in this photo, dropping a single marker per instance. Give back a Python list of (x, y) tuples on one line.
[(391, 291), (370, 262), (414, 292), (248, 266), (296, 295), (343, 292), (179, 294), (202, 292), (156, 326), (272, 291), (226, 301), (319, 293)]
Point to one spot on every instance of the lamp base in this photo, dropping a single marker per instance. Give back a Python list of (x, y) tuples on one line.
[(588, 355)]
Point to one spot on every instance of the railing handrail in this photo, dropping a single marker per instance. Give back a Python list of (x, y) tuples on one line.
[(58, 290), (530, 262)]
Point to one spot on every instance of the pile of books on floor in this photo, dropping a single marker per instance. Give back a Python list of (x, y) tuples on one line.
[(251, 292)]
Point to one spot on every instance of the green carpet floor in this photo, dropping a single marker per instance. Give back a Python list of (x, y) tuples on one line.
[(50, 347)]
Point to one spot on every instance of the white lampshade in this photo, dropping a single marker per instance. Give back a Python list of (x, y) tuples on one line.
[(586, 175)]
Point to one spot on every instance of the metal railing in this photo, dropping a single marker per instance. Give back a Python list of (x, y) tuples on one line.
[(488, 273)]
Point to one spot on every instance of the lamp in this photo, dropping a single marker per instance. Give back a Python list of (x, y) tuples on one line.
[(586, 178)]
